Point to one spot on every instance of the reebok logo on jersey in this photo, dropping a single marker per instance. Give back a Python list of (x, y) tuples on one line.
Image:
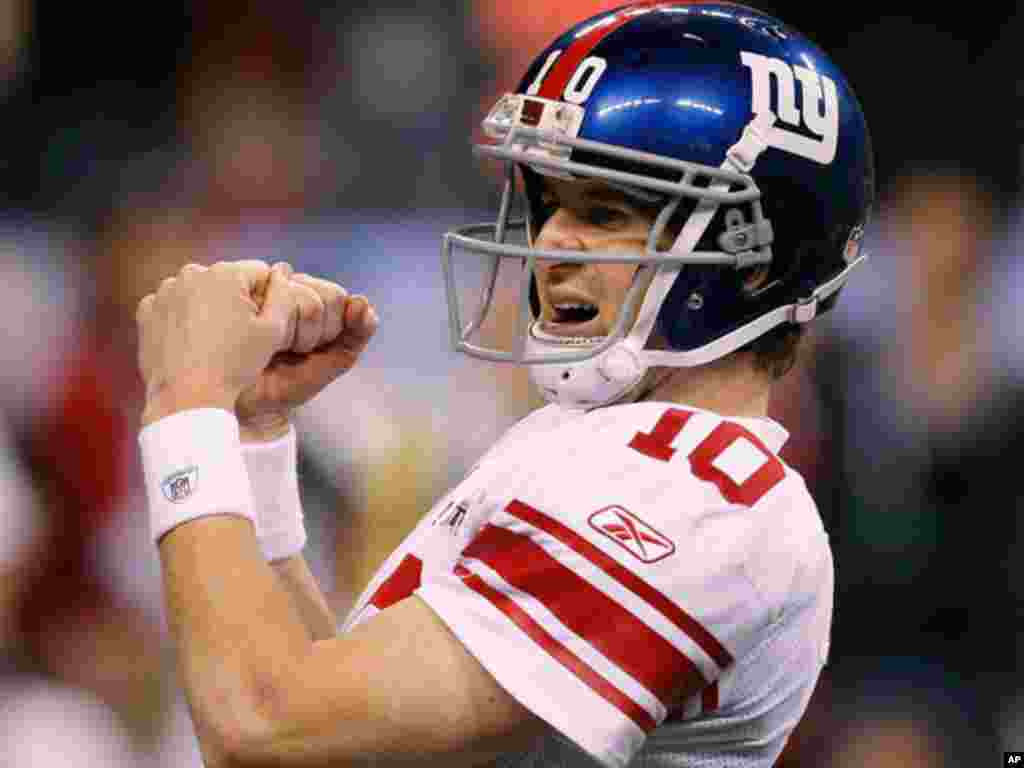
[(632, 534), (453, 515), (179, 486)]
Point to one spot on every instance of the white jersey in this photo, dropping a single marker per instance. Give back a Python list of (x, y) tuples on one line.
[(597, 562)]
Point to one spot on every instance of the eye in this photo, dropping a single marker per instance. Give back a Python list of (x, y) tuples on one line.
[(603, 216)]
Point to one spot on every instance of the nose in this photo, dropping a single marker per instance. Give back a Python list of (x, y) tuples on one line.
[(559, 233)]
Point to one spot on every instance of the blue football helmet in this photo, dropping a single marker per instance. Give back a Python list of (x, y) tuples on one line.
[(738, 128)]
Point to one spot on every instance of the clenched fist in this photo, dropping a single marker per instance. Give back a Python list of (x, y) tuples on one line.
[(332, 331), (239, 335)]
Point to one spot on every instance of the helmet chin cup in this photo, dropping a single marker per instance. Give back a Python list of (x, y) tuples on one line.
[(620, 363), (589, 383)]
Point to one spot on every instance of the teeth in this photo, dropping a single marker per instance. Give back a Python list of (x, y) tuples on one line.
[(538, 333), (574, 306)]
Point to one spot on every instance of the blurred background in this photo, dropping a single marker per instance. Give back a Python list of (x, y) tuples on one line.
[(138, 138)]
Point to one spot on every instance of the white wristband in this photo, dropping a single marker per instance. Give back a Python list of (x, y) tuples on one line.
[(192, 462), (275, 491)]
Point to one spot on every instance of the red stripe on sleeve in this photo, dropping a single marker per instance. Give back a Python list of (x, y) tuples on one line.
[(559, 652), (686, 623), (402, 582), (564, 68), (611, 629)]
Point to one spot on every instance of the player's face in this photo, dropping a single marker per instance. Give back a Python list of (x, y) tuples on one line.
[(584, 300)]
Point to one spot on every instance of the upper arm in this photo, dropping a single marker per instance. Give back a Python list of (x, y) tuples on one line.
[(400, 686)]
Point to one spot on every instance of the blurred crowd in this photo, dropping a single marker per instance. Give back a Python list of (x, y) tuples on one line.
[(336, 136)]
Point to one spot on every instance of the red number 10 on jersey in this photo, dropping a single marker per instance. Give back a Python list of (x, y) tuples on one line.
[(705, 458), (705, 461)]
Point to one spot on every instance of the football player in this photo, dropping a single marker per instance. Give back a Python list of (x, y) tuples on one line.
[(631, 575)]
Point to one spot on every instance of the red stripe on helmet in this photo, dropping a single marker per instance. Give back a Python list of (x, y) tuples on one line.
[(566, 64)]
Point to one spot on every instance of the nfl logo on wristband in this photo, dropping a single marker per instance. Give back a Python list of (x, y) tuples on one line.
[(179, 486)]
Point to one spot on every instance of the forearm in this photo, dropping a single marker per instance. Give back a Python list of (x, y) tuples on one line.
[(270, 451), (204, 342), (294, 575), (235, 627)]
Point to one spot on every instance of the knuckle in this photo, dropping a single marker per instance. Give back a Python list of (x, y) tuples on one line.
[(310, 306), (239, 266), (336, 307), (332, 294), (283, 328), (338, 295), (253, 269), (144, 307)]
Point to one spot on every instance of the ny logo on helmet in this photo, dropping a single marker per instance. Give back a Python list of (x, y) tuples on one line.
[(820, 106)]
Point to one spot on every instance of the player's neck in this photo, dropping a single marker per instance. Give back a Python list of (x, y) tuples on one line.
[(729, 387)]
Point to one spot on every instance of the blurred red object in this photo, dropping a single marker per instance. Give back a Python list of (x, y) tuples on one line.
[(521, 36), (83, 454)]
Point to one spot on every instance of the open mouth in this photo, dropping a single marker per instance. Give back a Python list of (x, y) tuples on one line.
[(578, 320), (573, 313)]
